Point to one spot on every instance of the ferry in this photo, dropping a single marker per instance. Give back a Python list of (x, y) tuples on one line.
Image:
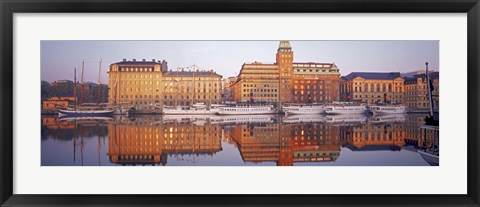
[(346, 108), (303, 109), (247, 110), (394, 109), (243, 119), (196, 109)]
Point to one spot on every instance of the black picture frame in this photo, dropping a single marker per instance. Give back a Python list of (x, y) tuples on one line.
[(9, 7)]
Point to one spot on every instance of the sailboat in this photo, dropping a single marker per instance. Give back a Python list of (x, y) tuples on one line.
[(89, 110), (430, 131)]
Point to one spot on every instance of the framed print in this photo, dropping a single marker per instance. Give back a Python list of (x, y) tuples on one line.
[(199, 103)]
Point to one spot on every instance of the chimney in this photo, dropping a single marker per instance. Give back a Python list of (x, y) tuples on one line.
[(153, 60), (134, 60), (124, 60), (143, 60)]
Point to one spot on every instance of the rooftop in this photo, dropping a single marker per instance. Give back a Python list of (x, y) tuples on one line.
[(191, 73), (284, 45), (372, 76)]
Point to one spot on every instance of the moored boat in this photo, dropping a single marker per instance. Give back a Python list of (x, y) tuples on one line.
[(393, 109), (86, 111), (247, 110), (196, 109), (303, 109), (346, 108)]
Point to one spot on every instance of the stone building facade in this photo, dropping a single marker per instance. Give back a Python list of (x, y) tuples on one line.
[(286, 81), (372, 88), (149, 84)]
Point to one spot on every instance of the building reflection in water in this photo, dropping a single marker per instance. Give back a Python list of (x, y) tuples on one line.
[(147, 140), (287, 143), (385, 132), (153, 140)]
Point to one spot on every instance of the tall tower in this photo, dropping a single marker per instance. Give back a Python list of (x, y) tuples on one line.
[(285, 72)]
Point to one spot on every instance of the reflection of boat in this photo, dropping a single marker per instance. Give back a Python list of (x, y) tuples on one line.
[(187, 118), (303, 109), (196, 109), (243, 119), (431, 157), (247, 109), (387, 118), (430, 150), (304, 118), (346, 118), (345, 108), (393, 109)]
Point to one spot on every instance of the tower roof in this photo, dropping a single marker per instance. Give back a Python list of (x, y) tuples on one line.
[(284, 45)]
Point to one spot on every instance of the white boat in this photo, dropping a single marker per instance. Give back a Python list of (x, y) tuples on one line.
[(384, 118), (247, 110), (243, 119), (394, 109), (196, 109), (346, 118), (313, 118), (346, 108), (303, 109)]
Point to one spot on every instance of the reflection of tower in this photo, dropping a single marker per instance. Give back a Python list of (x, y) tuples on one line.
[(285, 156), (285, 70)]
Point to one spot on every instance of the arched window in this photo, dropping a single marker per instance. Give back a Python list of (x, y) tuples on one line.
[(378, 87), (372, 88), (384, 88), (389, 87), (366, 87)]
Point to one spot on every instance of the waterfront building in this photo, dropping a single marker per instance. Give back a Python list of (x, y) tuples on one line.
[(416, 92), (286, 80), (372, 88), (53, 103), (227, 93), (316, 82), (149, 84)]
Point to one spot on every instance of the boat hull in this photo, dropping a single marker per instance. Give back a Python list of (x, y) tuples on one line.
[(303, 110), (189, 112), (246, 112), (62, 112), (388, 110), (346, 110)]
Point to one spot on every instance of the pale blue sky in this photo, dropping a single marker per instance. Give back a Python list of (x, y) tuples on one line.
[(58, 58)]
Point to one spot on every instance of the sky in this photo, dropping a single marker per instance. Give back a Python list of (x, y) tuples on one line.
[(58, 58)]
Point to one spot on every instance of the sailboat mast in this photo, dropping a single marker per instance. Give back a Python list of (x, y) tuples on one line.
[(429, 85), (75, 88), (99, 85), (193, 74), (81, 84)]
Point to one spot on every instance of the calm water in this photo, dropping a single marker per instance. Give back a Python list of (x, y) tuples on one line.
[(258, 140)]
